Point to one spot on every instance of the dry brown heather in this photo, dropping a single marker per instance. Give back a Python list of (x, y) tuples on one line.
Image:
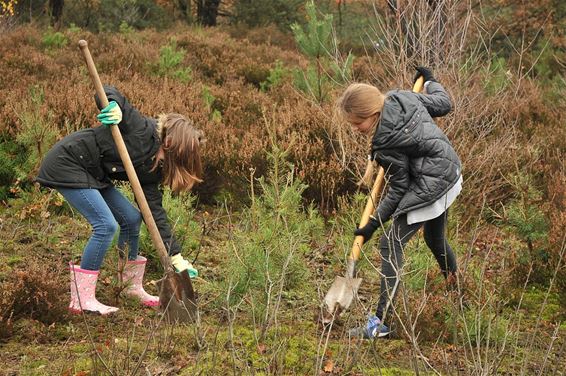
[(230, 69), (512, 131)]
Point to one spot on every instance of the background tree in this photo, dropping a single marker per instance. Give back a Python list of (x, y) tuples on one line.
[(183, 9), (55, 12), (207, 12), (264, 12), (316, 41)]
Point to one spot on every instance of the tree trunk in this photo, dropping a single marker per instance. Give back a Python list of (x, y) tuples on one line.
[(207, 11), (184, 10), (56, 11)]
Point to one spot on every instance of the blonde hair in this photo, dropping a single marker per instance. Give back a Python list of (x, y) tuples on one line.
[(360, 101), (181, 142)]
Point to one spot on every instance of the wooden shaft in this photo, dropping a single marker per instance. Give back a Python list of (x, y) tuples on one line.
[(372, 200), (130, 171), (418, 86), (369, 209)]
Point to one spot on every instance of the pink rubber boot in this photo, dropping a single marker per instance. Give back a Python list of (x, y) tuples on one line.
[(83, 286), (132, 276)]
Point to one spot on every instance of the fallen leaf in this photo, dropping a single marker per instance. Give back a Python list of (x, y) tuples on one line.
[(329, 366)]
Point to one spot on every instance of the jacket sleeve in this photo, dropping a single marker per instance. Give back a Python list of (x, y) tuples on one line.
[(436, 100), (154, 198), (396, 166), (131, 117)]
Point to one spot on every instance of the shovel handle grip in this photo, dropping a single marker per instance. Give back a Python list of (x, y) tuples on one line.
[(128, 165), (375, 191), (419, 84)]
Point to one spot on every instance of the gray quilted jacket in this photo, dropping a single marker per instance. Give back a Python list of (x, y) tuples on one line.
[(420, 163)]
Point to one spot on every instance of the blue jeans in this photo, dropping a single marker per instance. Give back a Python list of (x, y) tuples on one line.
[(105, 209)]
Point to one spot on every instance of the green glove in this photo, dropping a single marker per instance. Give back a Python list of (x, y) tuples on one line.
[(110, 115), (180, 264)]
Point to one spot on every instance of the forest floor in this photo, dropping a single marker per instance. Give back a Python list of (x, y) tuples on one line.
[(41, 338)]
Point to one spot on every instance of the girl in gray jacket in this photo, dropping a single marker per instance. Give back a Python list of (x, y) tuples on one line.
[(423, 173)]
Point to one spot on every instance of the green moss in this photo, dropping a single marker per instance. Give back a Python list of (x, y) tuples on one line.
[(80, 348), (83, 364), (394, 371), (533, 302), (33, 366), (14, 260)]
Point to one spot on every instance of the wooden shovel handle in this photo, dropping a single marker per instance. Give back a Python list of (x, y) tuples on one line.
[(418, 86), (130, 171), (375, 191)]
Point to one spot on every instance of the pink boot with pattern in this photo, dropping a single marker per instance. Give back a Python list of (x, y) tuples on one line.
[(83, 287), (132, 277)]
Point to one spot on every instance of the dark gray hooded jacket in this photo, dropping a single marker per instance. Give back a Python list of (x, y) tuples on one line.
[(89, 159), (420, 163)]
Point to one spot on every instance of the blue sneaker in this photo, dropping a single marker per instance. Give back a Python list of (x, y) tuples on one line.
[(374, 328)]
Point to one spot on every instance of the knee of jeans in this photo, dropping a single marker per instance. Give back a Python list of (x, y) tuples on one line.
[(134, 219), (107, 228)]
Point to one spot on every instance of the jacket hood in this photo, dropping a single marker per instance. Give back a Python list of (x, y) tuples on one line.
[(397, 112)]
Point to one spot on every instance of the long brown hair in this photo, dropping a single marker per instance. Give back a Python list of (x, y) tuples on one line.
[(181, 141)]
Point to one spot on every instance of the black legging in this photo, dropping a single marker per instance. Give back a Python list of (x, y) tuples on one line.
[(392, 244)]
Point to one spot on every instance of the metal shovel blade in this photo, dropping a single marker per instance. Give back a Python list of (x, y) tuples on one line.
[(177, 298), (340, 295)]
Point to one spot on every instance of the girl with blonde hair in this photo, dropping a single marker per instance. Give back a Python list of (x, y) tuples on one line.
[(423, 173), (82, 167)]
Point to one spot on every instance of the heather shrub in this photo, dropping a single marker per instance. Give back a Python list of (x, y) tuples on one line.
[(262, 35), (255, 75), (483, 128), (27, 293)]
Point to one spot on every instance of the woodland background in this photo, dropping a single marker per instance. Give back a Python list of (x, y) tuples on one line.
[(271, 226)]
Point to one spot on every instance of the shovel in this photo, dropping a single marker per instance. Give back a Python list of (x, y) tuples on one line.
[(176, 294), (342, 291)]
